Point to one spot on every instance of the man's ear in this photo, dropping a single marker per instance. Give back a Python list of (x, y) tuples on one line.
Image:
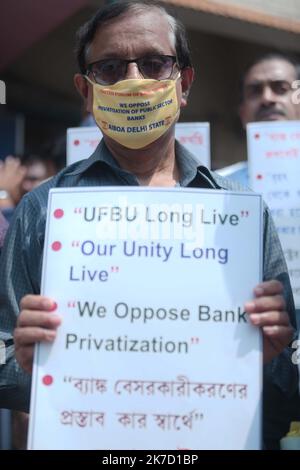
[(83, 89), (187, 78), (81, 85)]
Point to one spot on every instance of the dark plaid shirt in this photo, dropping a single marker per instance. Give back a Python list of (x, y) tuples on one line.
[(3, 229)]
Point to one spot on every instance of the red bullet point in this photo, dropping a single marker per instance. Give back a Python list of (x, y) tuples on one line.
[(256, 136), (58, 213), (259, 177), (56, 246), (47, 380), (76, 142)]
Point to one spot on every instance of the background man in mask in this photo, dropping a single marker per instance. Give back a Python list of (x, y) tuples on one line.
[(121, 48)]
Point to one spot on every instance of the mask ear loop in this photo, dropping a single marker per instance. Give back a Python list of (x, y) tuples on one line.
[(178, 104), (89, 80), (177, 76)]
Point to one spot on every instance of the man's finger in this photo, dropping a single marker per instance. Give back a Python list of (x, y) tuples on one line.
[(38, 318), (269, 318), (28, 336), (276, 339), (268, 288), (265, 304), (37, 302), (279, 335)]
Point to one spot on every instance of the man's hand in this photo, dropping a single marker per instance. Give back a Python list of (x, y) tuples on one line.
[(268, 311), (36, 323)]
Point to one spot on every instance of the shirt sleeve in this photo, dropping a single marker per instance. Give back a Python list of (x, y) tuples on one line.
[(274, 265), (281, 389), (20, 270)]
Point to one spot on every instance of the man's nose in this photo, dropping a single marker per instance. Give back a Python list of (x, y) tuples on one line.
[(268, 95), (133, 71)]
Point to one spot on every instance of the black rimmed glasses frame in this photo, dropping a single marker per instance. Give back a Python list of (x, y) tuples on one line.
[(110, 71)]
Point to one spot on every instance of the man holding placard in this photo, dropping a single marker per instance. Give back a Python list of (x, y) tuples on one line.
[(268, 93), (267, 90), (131, 49)]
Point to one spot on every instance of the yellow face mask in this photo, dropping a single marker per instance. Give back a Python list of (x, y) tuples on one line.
[(135, 112)]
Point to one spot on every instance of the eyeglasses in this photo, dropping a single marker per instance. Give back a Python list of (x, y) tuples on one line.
[(110, 71), (278, 87)]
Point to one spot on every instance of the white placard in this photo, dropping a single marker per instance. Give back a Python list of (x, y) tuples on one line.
[(155, 350), (82, 141), (274, 169), (195, 136)]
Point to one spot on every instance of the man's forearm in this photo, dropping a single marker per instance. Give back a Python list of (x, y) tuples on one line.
[(14, 384)]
